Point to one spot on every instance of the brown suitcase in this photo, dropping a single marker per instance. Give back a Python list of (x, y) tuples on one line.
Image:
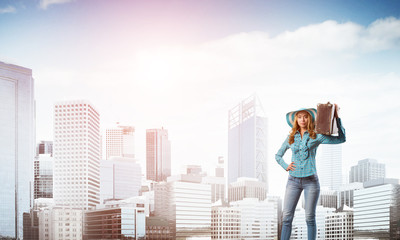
[(326, 120)]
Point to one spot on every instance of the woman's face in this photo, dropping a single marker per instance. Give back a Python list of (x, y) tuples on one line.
[(302, 119)]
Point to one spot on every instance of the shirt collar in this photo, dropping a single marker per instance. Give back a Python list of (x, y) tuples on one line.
[(298, 132)]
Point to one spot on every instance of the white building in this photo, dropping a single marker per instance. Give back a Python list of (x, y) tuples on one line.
[(225, 222), (220, 169), (299, 226), (327, 198), (329, 166), (367, 169), (345, 194), (17, 151), (339, 225), (217, 187), (246, 188), (147, 191), (377, 210), (247, 141), (120, 142), (139, 201), (60, 223), (186, 204), (120, 178), (259, 219), (76, 154)]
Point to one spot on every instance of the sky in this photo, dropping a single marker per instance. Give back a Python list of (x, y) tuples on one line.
[(182, 65)]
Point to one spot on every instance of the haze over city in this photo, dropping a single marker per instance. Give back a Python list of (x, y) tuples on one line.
[(182, 65)]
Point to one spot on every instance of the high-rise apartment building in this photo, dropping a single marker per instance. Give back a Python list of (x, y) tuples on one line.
[(120, 142), (247, 141), (367, 169), (76, 154), (329, 166), (377, 210), (158, 155), (43, 170), (17, 151)]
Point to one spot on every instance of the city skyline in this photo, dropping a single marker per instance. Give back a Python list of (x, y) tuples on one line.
[(183, 65)]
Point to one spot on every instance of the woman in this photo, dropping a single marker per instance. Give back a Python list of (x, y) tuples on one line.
[(303, 141)]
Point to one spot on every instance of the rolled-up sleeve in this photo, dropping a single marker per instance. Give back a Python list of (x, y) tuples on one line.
[(325, 139), (281, 152)]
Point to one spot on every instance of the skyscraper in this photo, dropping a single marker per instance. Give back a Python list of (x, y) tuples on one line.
[(158, 155), (43, 170), (17, 151), (367, 169), (120, 142), (76, 154), (329, 166), (247, 141)]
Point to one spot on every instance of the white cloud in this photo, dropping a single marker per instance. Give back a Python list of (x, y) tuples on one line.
[(44, 4), (8, 9)]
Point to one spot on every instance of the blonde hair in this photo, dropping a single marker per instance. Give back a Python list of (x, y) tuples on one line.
[(296, 127)]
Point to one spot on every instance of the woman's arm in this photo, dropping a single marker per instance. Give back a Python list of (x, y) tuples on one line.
[(281, 152), (325, 139)]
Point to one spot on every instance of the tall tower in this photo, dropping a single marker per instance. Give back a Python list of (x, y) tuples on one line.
[(367, 169), (43, 170), (329, 166), (76, 154), (120, 142), (247, 141), (17, 151), (158, 155)]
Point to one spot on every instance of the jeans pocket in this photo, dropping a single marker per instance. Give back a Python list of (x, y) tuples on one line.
[(314, 178)]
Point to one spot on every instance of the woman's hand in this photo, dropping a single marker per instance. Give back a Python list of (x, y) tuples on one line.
[(291, 167)]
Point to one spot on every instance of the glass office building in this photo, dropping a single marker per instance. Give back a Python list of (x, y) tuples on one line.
[(377, 210), (247, 141), (43, 175), (158, 155), (17, 151), (115, 223)]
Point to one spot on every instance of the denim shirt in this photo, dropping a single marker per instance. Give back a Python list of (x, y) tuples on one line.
[(304, 151)]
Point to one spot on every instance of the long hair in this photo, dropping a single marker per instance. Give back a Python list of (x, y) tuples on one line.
[(296, 127)]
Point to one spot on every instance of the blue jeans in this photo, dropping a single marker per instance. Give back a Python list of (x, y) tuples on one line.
[(294, 187)]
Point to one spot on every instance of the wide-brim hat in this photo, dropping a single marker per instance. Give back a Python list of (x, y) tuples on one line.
[(290, 115)]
